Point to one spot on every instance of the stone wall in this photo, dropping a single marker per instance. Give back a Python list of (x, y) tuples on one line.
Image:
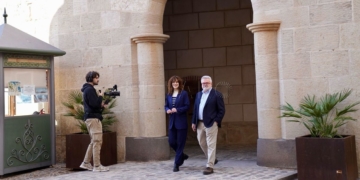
[(317, 48), (209, 37), (318, 52), (96, 35)]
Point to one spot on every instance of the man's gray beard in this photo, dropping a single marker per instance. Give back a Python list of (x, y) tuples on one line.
[(206, 89)]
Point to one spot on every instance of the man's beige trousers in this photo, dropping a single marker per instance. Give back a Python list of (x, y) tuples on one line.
[(207, 138), (94, 127)]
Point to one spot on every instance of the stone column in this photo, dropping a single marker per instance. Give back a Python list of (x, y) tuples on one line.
[(152, 143), (270, 145), (267, 78)]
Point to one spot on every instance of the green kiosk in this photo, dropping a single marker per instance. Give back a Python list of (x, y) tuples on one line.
[(27, 116)]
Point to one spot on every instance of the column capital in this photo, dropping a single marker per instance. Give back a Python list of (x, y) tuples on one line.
[(264, 26), (150, 38)]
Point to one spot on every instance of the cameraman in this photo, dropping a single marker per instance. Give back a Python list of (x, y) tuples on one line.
[(93, 106)]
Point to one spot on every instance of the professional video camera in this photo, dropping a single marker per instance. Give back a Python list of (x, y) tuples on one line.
[(112, 92)]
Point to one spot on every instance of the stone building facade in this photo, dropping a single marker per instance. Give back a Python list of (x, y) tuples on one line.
[(298, 47)]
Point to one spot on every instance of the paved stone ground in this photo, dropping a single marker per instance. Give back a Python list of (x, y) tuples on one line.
[(235, 162)]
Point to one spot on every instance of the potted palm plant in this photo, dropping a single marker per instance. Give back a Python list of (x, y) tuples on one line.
[(324, 153), (77, 143)]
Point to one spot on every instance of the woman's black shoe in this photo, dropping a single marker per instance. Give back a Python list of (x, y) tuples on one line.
[(176, 168), (185, 156)]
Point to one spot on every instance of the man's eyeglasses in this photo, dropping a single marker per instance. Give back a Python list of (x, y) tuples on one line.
[(205, 83)]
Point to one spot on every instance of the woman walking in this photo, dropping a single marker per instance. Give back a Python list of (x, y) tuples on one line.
[(176, 105)]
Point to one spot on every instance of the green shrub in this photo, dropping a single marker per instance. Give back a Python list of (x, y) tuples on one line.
[(321, 117)]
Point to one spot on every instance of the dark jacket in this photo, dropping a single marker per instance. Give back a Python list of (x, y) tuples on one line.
[(92, 102), (178, 120), (214, 109)]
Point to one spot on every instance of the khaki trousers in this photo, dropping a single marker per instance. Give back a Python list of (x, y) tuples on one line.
[(207, 138), (94, 127)]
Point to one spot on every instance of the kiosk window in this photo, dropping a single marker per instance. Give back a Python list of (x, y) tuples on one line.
[(26, 91)]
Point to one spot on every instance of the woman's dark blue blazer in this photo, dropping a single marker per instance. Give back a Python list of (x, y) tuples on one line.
[(178, 120)]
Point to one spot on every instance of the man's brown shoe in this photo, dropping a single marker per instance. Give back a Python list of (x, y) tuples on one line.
[(208, 170)]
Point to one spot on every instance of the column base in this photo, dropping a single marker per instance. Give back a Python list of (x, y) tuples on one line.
[(147, 148), (280, 153)]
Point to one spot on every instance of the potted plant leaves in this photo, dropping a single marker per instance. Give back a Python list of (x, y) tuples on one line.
[(324, 153)]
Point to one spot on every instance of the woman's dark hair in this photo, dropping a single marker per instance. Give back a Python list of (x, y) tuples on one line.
[(91, 75), (174, 79)]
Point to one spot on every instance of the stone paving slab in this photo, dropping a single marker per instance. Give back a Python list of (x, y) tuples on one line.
[(192, 169), (235, 162)]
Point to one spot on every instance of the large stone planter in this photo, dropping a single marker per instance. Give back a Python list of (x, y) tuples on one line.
[(325, 158), (77, 144)]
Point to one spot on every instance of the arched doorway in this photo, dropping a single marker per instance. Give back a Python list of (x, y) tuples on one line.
[(209, 37)]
